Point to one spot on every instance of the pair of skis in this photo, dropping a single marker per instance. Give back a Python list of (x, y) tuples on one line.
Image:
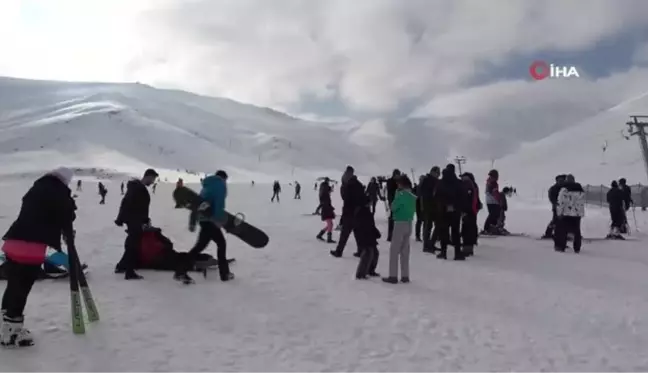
[(79, 289)]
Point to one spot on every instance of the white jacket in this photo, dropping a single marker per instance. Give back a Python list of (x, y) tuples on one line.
[(571, 203)]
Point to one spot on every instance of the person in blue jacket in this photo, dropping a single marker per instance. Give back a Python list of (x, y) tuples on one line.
[(209, 216)]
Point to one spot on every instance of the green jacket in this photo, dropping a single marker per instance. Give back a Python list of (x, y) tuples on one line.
[(404, 206)]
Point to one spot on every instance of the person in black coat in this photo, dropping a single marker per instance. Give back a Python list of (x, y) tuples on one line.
[(327, 212), (419, 211), (429, 208), (353, 197), (276, 190), (627, 202), (373, 192), (451, 198), (46, 214), (102, 192), (469, 228), (367, 236), (134, 212), (553, 199), (392, 187), (615, 200)]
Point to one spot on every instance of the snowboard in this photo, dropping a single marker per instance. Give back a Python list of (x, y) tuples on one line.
[(233, 224)]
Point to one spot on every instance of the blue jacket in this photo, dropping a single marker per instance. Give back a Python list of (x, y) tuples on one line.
[(214, 191)]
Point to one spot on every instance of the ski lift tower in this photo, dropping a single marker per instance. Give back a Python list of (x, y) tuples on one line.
[(637, 127), (459, 161)]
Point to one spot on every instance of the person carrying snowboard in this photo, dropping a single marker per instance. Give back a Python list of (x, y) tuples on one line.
[(276, 189), (134, 212), (47, 212), (209, 216), (403, 210), (297, 190), (102, 192)]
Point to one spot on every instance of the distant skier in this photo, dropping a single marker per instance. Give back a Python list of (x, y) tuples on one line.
[(451, 198), (615, 200), (430, 209), (179, 184), (627, 203), (570, 209), (134, 212), (79, 187), (214, 192), (493, 203), (102, 192), (553, 199), (315, 186), (276, 190), (373, 192), (154, 187), (297, 190), (469, 228), (252, 182), (403, 209), (47, 212), (122, 188), (392, 186)]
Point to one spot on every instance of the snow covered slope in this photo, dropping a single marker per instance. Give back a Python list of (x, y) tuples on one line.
[(578, 150), (515, 306), (126, 127)]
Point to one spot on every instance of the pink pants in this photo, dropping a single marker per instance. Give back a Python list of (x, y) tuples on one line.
[(23, 252), (329, 225)]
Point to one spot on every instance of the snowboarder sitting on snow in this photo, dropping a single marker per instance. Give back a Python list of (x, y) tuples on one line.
[(569, 211), (367, 236), (47, 212), (210, 216), (134, 212), (617, 215)]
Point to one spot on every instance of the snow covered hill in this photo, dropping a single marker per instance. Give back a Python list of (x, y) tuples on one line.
[(578, 150), (126, 127)]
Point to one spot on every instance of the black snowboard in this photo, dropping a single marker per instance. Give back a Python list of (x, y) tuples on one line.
[(234, 225)]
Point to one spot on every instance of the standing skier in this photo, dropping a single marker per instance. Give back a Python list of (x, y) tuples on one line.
[(403, 209), (493, 203), (79, 188), (451, 198), (297, 190), (627, 202), (570, 209), (134, 212), (553, 199), (102, 192), (430, 209), (615, 200), (276, 189), (353, 196), (392, 186), (469, 229), (373, 192), (47, 212), (214, 192), (122, 188)]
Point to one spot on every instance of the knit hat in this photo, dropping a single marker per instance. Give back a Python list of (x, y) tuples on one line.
[(64, 174)]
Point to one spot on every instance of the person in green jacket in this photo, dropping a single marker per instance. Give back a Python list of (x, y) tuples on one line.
[(403, 210)]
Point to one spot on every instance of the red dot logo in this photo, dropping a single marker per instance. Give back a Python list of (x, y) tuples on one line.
[(539, 70)]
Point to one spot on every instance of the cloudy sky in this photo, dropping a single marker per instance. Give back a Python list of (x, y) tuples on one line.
[(457, 68)]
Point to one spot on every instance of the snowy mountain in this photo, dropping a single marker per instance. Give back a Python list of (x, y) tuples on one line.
[(126, 127)]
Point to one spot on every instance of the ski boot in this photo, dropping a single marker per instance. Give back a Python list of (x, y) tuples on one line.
[(228, 277), (390, 280), (329, 238), (320, 235), (183, 278), (13, 334)]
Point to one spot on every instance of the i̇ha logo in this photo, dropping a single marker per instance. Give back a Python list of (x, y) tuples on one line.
[(540, 70)]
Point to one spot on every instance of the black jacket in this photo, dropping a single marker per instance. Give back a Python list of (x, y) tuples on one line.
[(353, 196), (391, 189), (324, 193), (364, 229), (134, 209), (47, 212), (615, 199), (427, 190), (373, 191), (553, 193), (450, 193), (627, 196)]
